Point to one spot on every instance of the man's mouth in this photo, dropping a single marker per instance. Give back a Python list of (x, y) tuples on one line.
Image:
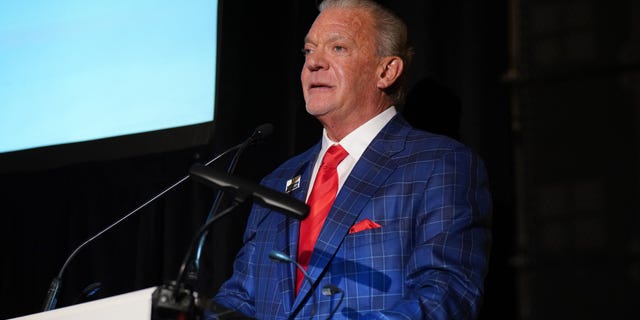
[(319, 86)]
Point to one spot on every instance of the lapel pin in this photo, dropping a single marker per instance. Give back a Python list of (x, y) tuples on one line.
[(292, 184)]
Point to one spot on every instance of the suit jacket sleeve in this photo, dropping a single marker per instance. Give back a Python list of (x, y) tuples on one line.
[(449, 260), (237, 292)]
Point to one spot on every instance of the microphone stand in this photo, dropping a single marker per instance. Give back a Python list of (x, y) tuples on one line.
[(194, 269), (176, 299)]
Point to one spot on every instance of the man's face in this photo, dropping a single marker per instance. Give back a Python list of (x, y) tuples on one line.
[(339, 74)]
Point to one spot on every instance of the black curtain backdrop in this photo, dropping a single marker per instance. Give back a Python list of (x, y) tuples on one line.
[(461, 56)]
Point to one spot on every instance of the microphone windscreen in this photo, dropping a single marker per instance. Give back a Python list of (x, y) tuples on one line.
[(261, 132), (273, 199)]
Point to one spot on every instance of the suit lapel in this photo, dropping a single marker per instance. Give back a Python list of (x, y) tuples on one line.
[(293, 225), (287, 230), (371, 170)]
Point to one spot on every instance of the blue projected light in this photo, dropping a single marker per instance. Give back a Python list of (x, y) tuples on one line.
[(75, 71)]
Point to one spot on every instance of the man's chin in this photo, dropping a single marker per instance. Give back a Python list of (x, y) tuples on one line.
[(317, 109)]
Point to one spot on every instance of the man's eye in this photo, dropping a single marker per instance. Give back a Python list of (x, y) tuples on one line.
[(306, 51), (339, 49)]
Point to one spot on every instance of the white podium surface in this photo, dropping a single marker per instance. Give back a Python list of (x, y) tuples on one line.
[(134, 305)]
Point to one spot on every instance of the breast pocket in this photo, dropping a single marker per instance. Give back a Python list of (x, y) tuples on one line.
[(390, 235), (372, 258)]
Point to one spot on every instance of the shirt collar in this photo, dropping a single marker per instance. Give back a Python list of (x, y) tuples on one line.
[(359, 139)]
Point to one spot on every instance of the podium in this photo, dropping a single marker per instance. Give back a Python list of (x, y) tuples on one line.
[(134, 305)]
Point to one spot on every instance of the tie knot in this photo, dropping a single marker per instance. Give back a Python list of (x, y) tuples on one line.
[(334, 156)]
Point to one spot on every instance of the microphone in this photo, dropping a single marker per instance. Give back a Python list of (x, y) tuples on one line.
[(88, 292), (327, 290), (242, 189), (51, 299), (330, 290), (281, 257), (260, 133)]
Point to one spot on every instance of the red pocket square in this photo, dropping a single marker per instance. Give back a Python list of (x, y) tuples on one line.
[(363, 225)]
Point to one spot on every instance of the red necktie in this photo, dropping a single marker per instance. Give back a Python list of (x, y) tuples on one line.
[(320, 201)]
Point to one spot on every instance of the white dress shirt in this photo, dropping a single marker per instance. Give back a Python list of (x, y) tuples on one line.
[(354, 143)]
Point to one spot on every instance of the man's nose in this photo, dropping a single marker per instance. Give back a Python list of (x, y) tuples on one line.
[(315, 61)]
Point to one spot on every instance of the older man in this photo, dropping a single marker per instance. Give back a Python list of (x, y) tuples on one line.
[(400, 218)]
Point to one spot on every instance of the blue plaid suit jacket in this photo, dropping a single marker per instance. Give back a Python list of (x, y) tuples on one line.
[(428, 259)]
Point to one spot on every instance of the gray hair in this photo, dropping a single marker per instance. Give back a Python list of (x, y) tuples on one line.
[(391, 38)]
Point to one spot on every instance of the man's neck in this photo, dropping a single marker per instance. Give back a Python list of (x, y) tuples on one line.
[(337, 129)]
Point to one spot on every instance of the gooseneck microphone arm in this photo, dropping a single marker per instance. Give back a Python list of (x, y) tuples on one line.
[(52, 295), (259, 134), (51, 298)]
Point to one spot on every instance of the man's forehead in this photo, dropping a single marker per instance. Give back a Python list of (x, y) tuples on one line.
[(336, 24), (329, 37)]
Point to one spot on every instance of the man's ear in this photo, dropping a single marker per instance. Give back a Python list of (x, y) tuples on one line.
[(389, 71)]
